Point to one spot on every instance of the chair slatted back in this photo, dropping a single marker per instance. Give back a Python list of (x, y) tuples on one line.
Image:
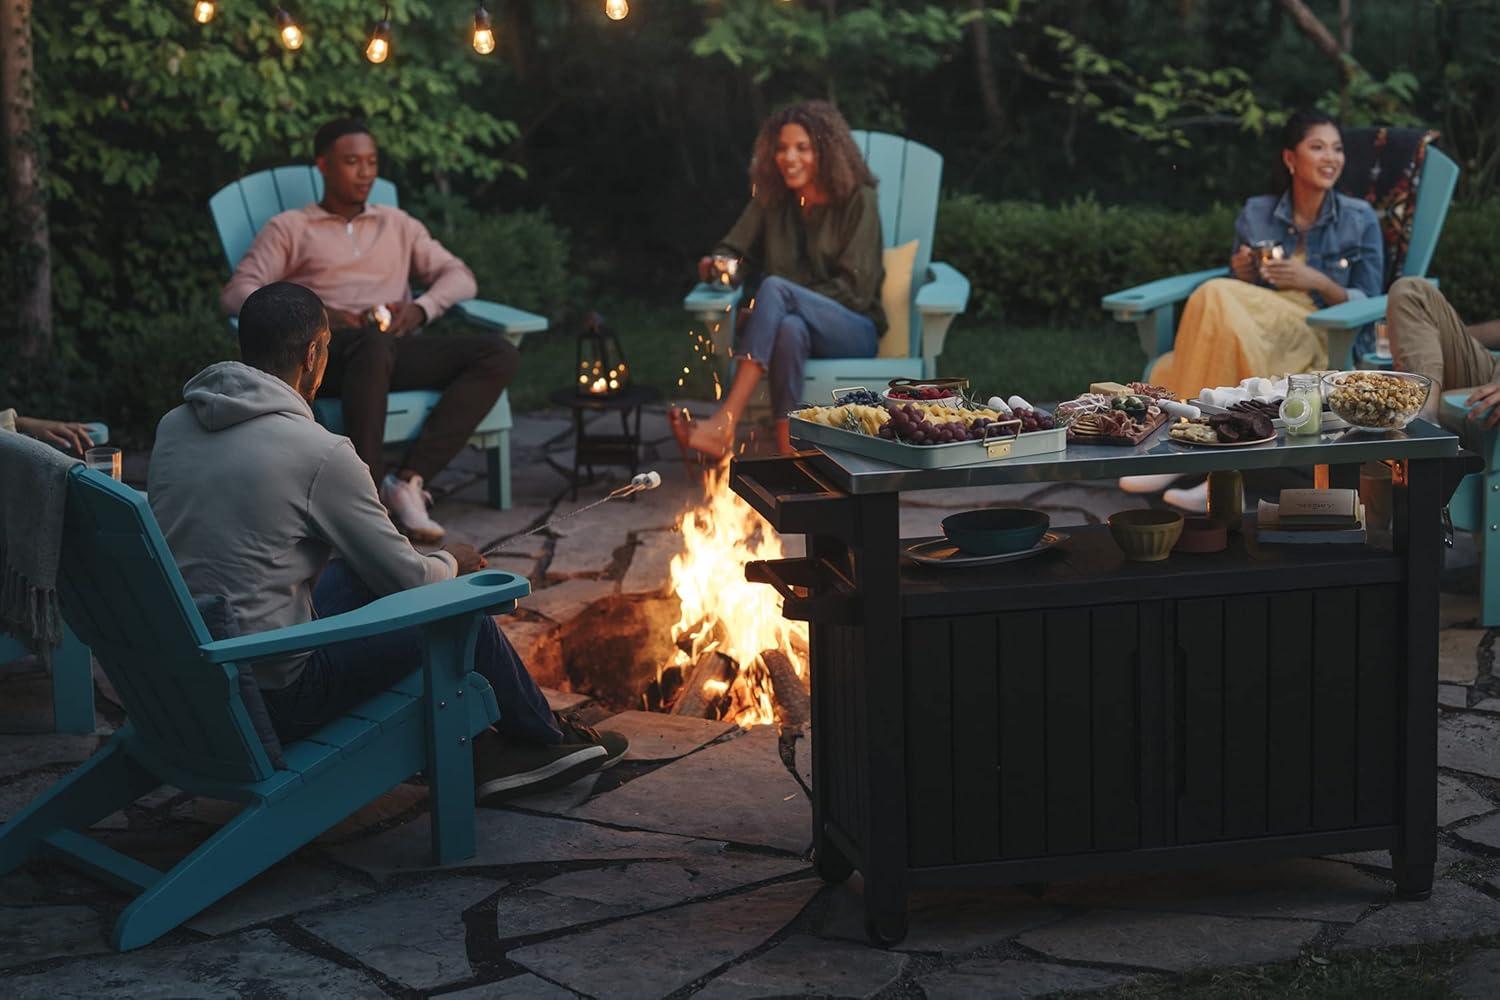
[(243, 206), (123, 595), (1439, 178), (910, 176)]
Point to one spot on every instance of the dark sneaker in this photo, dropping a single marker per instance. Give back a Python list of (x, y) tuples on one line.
[(505, 770)]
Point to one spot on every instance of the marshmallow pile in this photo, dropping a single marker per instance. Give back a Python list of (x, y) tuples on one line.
[(1267, 390)]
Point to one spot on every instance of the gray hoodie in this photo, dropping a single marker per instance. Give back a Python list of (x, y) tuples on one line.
[(254, 496)]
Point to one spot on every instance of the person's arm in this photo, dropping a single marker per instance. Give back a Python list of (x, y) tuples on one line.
[(346, 512), (855, 283), (1242, 262), (268, 259), (68, 435), (1367, 274), (447, 279)]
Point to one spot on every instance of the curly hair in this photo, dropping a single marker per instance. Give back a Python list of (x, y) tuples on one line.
[(841, 167)]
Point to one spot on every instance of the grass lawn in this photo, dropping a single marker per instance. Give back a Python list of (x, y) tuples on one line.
[(1039, 363)]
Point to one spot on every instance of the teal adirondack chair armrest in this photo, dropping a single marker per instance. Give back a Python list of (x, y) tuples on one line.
[(505, 319), (946, 291), (1132, 303), (1349, 315), (483, 591), (705, 298)]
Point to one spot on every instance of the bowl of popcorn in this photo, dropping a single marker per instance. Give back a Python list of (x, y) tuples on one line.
[(1376, 401)]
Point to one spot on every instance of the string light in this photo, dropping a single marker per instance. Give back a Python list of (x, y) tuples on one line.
[(484, 35), (291, 33), (380, 39), (204, 11), (616, 10)]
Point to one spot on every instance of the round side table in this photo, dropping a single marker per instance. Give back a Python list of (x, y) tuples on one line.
[(590, 450)]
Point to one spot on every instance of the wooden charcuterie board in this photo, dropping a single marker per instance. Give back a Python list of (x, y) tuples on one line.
[(1143, 430)]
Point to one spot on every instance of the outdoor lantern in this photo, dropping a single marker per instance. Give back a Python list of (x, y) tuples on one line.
[(601, 361), (203, 11), (616, 10), (484, 35), (291, 34), (380, 41)]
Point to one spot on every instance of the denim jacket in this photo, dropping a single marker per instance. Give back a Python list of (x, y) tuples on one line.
[(1344, 242)]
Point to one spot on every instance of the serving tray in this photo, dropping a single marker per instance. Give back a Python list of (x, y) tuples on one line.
[(1145, 430), (932, 456)]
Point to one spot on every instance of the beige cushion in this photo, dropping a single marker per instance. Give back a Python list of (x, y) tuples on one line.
[(895, 299)]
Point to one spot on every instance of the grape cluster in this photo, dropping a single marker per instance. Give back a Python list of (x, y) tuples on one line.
[(912, 426), (1033, 420), (860, 397), (927, 392)]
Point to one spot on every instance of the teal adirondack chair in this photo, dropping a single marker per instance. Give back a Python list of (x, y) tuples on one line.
[(188, 725), (241, 208), (910, 175), (1152, 306), (1475, 507), (72, 669)]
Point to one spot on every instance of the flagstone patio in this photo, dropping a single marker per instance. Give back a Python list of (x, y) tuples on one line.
[(683, 871)]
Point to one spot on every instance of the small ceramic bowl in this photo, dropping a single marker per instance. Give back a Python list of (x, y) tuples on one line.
[(1202, 534), (996, 530), (1146, 535)]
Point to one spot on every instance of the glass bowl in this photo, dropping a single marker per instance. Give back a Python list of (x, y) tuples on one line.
[(1374, 400)]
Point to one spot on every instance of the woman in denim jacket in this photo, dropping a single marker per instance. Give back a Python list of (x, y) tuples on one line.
[(1321, 248)]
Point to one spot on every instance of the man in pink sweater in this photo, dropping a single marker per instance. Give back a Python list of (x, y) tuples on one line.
[(361, 260)]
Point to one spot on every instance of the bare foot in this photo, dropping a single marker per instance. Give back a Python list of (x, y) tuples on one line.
[(701, 441)]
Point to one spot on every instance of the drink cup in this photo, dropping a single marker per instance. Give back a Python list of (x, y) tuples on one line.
[(726, 269), (1382, 340), (107, 460), (1266, 251)]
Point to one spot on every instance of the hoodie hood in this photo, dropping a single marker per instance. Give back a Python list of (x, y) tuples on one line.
[(230, 392)]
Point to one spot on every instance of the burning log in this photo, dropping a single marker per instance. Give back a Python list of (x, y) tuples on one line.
[(793, 703), (705, 687)]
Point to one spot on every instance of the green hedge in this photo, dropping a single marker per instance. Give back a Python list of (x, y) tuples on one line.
[(522, 259), (1029, 263)]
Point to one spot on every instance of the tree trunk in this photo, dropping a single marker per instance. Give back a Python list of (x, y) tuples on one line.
[(1346, 26), (984, 71), (1307, 22), (28, 199)]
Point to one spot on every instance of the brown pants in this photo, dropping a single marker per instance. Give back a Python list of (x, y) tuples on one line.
[(1428, 337), (470, 369)]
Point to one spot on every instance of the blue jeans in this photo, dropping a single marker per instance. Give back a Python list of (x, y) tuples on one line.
[(790, 324), (337, 678)]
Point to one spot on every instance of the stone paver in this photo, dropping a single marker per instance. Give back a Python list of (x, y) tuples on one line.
[(290, 887), (998, 979), (657, 509), (1453, 913), (946, 922), (669, 949), (650, 570), (1477, 977), (481, 525), (32, 933), (540, 431), (1458, 657), (507, 838), (1457, 801), (1172, 941), (400, 800), (539, 645), (1304, 889), (657, 736), (737, 791), (558, 801), (1458, 609), (1486, 705), (16, 795), (1446, 857), (26, 704), (562, 701), (596, 894), (1453, 696), (565, 601), (1483, 831), (1469, 742), (257, 964), (583, 554), (807, 966), (415, 935), (522, 987)]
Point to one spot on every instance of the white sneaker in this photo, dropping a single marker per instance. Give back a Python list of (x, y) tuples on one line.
[(1193, 500), (404, 499), (1147, 484)]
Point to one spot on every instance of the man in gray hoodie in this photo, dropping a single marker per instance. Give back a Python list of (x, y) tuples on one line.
[(254, 497)]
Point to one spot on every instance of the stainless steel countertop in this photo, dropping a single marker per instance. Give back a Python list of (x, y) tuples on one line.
[(1157, 454)]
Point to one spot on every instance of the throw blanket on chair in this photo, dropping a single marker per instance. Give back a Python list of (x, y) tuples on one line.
[(1384, 167), (33, 489)]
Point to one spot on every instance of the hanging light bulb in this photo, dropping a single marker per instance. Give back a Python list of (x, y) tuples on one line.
[(484, 35), (380, 40), (204, 11), (291, 33), (616, 10)]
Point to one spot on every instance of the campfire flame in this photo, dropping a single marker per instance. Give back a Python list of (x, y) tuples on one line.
[(723, 612)]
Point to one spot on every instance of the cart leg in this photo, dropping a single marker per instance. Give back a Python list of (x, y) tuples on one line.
[(885, 922), (830, 863), (1413, 881)]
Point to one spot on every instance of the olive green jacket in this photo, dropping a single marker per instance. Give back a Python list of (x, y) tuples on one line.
[(835, 250)]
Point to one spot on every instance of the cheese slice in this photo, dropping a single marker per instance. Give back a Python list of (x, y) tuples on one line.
[(1109, 389)]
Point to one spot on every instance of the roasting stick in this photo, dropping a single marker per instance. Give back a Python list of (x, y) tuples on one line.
[(644, 481)]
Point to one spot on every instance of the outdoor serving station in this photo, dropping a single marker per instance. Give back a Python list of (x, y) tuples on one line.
[(1077, 714)]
